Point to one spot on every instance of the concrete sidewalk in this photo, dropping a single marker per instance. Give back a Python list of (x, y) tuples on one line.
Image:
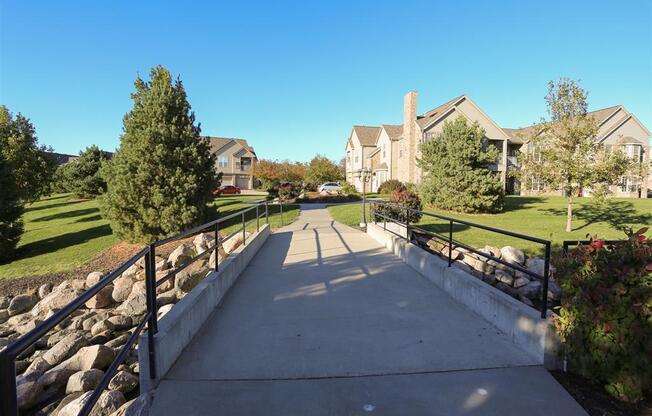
[(326, 322)]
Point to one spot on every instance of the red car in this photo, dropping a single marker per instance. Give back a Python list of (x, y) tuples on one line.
[(226, 190)]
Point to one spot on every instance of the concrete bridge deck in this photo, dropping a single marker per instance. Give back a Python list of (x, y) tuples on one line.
[(324, 321)]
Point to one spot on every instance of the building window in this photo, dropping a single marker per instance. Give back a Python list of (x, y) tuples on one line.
[(633, 151), (536, 183), (628, 184), (223, 161)]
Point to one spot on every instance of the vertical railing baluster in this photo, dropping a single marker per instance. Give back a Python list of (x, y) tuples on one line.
[(216, 247), (281, 204), (8, 404), (266, 214), (546, 276), (150, 290), (244, 230), (407, 224), (257, 219), (450, 243)]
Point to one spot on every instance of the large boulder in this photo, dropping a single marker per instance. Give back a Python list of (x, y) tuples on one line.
[(121, 322), (74, 406), (4, 315), (84, 380), (4, 302), (28, 394), (57, 299), (234, 242), (190, 277), (109, 403), (44, 290), (504, 277), (135, 305), (512, 255), (123, 382), (55, 378), (135, 407), (103, 298), (93, 278), (63, 349), (94, 356), (122, 288), (181, 255), (20, 304), (532, 290), (102, 326), (203, 241)]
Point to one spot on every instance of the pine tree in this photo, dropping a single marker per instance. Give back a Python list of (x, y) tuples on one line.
[(11, 210), (160, 179), (83, 176), (457, 170)]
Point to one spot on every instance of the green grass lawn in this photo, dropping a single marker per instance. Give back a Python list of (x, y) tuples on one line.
[(543, 217), (61, 234)]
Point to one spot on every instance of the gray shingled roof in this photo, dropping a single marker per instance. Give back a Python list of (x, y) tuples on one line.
[(368, 135), (219, 142), (431, 115), (394, 131)]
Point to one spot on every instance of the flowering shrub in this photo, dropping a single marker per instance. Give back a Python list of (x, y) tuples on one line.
[(398, 200), (605, 318)]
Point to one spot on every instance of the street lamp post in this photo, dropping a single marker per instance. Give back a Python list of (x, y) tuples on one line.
[(364, 175)]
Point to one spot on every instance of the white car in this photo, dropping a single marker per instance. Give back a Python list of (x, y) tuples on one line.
[(330, 187)]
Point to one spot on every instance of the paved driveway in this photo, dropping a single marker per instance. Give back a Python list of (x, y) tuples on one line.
[(326, 322)]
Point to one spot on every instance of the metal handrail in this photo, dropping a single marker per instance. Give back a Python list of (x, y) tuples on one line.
[(9, 405), (454, 243), (568, 243)]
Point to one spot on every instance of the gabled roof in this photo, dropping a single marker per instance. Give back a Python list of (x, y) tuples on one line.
[(600, 116), (218, 143), (435, 113), (394, 131), (368, 135)]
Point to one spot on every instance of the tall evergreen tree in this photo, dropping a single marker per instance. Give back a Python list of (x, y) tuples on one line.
[(11, 210), (32, 167), (160, 179), (457, 170)]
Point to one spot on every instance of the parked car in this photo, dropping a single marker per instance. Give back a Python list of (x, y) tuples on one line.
[(330, 187), (226, 190)]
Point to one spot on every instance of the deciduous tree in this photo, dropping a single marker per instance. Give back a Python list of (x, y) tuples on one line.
[(563, 152), (160, 179), (321, 169)]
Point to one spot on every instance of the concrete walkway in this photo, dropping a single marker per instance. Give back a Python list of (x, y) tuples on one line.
[(326, 322)]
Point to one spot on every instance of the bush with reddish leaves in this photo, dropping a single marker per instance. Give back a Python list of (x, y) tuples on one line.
[(396, 211), (605, 317)]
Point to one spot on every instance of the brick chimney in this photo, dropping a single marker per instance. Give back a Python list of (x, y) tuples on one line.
[(409, 133)]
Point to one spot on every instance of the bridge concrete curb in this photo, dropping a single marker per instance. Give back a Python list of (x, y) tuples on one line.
[(178, 327), (521, 322)]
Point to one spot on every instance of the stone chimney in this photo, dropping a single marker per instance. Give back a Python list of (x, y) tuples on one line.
[(410, 133)]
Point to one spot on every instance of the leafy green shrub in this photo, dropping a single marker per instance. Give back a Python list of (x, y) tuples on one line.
[(11, 210), (390, 186), (348, 189), (396, 208), (288, 191), (160, 179), (605, 318)]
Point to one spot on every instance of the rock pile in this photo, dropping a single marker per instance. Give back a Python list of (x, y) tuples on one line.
[(56, 375), (522, 286)]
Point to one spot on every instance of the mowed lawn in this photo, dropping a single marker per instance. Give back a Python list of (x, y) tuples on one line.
[(62, 234), (543, 217)]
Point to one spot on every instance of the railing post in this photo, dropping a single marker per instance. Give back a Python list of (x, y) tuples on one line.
[(407, 224), (281, 204), (257, 220), (8, 404), (217, 244), (150, 290), (266, 214), (244, 230), (450, 243), (546, 276)]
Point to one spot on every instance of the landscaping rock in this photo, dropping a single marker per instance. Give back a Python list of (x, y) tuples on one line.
[(123, 382), (234, 242), (4, 315), (108, 403), (554, 291), (55, 378), (44, 290), (20, 304), (532, 290), (119, 341), (190, 277), (507, 289), (520, 282), (512, 255), (74, 406), (28, 326), (494, 251), (139, 288), (164, 309), (121, 322), (203, 241), (135, 407), (102, 326), (103, 298), (57, 299), (181, 255), (122, 288), (136, 305), (84, 381), (28, 394), (4, 302), (94, 356), (504, 277), (93, 278)]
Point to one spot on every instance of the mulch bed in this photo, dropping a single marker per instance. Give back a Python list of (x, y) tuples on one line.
[(596, 401)]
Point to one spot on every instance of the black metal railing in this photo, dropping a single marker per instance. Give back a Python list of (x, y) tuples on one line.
[(452, 243), (8, 402)]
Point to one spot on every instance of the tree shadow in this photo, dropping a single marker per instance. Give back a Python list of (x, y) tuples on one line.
[(55, 243), (443, 228), (53, 205), (514, 203), (89, 219), (619, 215), (67, 214)]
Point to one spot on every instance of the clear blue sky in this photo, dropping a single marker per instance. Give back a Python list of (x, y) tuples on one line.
[(292, 77)]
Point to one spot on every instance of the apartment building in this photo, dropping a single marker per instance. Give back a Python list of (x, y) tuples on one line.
[(391, 150), (235, 159)]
